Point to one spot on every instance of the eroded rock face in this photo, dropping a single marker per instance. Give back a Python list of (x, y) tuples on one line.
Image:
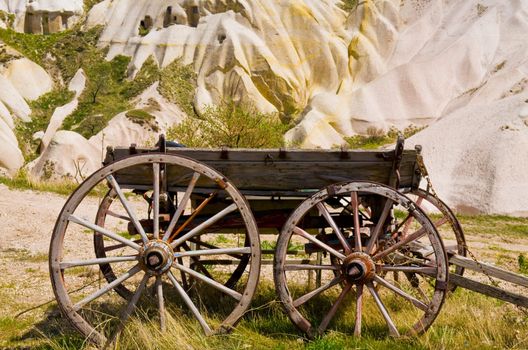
[(28, 78), (69, 155), (43, 16)]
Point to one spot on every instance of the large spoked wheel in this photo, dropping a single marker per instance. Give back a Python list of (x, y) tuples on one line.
[(144, 250), (444, 221), (373, 275)]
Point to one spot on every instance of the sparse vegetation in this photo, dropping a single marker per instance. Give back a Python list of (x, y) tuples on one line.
[(177, 83), (108, 91), (523, 264), (351, 5), (376, 137), (22, 181), (143, 118), (7, 18), (42, 110), (230, 125)]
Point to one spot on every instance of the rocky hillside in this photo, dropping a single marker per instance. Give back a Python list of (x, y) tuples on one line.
[(76, 77)]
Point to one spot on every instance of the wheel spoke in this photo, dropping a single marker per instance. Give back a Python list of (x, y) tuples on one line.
[(104, 231), (181, 206), (116, 215), (357, 232), (302, 267), (111, 260), (401, 293), (425, 270), (326, 320), (379, 226), (156, 198), (299, 301), (161, 303), (392, 328), (129, 308), (190, 304), (220, 251), (236, 295), (333, 225), (195, 261), (212, 220), (408, 223), (130, 273), (128, 208), (299, 231), (406, 240), (442, 221), (118, 246), (359, 310)]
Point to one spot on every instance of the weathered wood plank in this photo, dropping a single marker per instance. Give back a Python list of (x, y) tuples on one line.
[(488, 290), (273, 155), (283, 176), (491, 270)]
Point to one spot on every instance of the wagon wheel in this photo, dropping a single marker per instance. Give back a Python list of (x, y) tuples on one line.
[(453, 229), (101, 247), (358, 278), (146, 264)]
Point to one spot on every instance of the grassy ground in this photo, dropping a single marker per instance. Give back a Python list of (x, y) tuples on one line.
[(467, 320)]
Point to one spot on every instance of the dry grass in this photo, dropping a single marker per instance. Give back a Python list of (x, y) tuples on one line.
[(467, 320)]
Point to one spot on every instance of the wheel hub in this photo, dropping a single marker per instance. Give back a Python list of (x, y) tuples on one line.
[(358, 268), (157, 257)]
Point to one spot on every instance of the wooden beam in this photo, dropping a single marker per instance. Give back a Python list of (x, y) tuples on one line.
[(488, 269), (488, 290)]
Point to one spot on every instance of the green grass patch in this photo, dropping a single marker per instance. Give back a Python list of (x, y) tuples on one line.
[(22, 181), (500, 225), (143, 118)]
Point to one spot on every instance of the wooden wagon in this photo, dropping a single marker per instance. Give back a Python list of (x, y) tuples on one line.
[(182, 228)]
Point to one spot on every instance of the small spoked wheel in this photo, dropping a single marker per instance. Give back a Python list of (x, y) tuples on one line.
[(151, 247), (373, 275)]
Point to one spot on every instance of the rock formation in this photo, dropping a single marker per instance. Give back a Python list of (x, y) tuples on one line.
[(458, 66)]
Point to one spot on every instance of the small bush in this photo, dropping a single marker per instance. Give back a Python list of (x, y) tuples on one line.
[(376, 137), (177, 84), (143, 118), (351, 5), (231, 125), (523, 264)]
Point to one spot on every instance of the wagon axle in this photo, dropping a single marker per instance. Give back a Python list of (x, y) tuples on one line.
[(157, 257), (358, 268)]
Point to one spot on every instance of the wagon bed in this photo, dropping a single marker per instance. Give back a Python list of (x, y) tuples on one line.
[(278, 172)]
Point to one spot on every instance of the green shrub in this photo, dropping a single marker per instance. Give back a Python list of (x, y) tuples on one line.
[(7, 18), (376, 137), (177, 84), (231, 125), (42, 110), (351, 5)]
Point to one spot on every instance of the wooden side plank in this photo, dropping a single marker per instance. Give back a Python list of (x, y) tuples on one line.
[(488, 290), (274, 155), (288, 176), (491, 270)]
